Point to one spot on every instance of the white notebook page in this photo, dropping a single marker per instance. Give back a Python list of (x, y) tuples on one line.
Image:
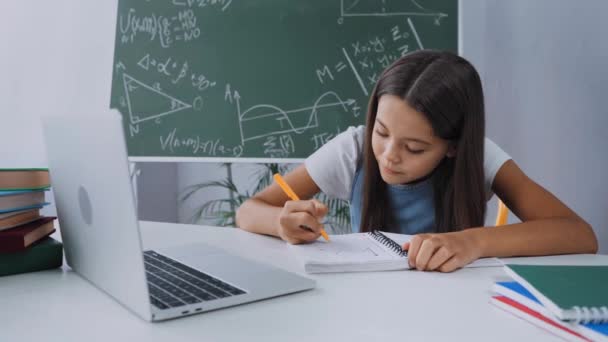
[(359, 248), (483, 262), (354, 248)]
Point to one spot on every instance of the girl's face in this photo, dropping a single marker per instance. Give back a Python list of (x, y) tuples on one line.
[(404, 143)]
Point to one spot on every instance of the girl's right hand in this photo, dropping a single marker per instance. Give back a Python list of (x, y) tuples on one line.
[(299, 221)]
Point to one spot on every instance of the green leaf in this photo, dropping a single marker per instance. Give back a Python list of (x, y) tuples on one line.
[(222, 211)]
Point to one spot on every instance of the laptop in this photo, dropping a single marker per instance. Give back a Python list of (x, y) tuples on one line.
[(89, 172)]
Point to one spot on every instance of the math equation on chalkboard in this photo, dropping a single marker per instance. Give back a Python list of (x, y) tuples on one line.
[(259, 79)]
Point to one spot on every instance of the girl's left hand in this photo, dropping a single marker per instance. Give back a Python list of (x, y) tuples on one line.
[(444, 252)]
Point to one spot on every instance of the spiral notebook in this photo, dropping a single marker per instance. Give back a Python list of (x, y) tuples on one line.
[(572, 293), (362, 252), (514, 298), (359, 252)]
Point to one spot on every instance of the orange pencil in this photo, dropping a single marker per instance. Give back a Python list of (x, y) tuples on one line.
[(503, 212), (287, 189)]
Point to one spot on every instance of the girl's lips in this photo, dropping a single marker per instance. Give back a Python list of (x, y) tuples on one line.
[(389, 171)]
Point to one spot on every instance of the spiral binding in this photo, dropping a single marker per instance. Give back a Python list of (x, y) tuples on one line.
[(388, 242), (590, 315)]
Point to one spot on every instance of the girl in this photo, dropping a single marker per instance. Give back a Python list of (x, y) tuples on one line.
[(422, 165)]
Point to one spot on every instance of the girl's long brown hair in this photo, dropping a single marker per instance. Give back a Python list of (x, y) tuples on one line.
[(447, 90)]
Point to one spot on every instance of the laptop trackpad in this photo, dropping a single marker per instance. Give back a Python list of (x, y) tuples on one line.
[(220, 264)]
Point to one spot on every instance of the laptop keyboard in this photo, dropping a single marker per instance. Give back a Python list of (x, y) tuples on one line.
[(172, 284)]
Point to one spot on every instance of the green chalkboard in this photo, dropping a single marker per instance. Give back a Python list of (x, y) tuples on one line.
[(259, 78)]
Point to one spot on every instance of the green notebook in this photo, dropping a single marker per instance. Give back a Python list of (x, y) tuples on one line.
[(578, 293), (46, 254)]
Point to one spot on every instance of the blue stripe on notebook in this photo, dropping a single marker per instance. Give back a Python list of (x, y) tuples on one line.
[(19, 192), (516, 287), (27, 207)]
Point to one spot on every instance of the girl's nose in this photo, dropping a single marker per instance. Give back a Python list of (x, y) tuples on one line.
[(391, 153)]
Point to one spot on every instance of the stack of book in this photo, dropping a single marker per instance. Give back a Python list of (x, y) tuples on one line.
[(25, 244), (568, 301)]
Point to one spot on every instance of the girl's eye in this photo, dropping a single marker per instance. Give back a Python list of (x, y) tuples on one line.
[(382, 134), (414, 151)]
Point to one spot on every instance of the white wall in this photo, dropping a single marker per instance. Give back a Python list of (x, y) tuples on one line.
[(544, 69), (157, 192), (56, 59)]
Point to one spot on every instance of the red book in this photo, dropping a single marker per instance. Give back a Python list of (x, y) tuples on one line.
[(19, 238), (561, 329)]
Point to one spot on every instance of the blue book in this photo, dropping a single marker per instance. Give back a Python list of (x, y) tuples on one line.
[(19, 200), (518, 293), (26, 207), (19, 192)]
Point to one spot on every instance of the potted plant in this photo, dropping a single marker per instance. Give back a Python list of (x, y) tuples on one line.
[(222, 211)]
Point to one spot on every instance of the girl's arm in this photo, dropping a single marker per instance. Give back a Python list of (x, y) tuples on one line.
[(548, 225), (271, 212)]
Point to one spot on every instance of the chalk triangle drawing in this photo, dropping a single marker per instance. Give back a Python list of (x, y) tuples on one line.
[(147, 103)]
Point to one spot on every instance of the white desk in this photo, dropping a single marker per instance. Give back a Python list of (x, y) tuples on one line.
[(58, 305)]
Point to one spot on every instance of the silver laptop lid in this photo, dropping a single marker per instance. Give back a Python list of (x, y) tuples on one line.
[(89, 172)]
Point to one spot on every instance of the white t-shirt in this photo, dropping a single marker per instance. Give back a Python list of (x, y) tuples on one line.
[(333, 166)]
